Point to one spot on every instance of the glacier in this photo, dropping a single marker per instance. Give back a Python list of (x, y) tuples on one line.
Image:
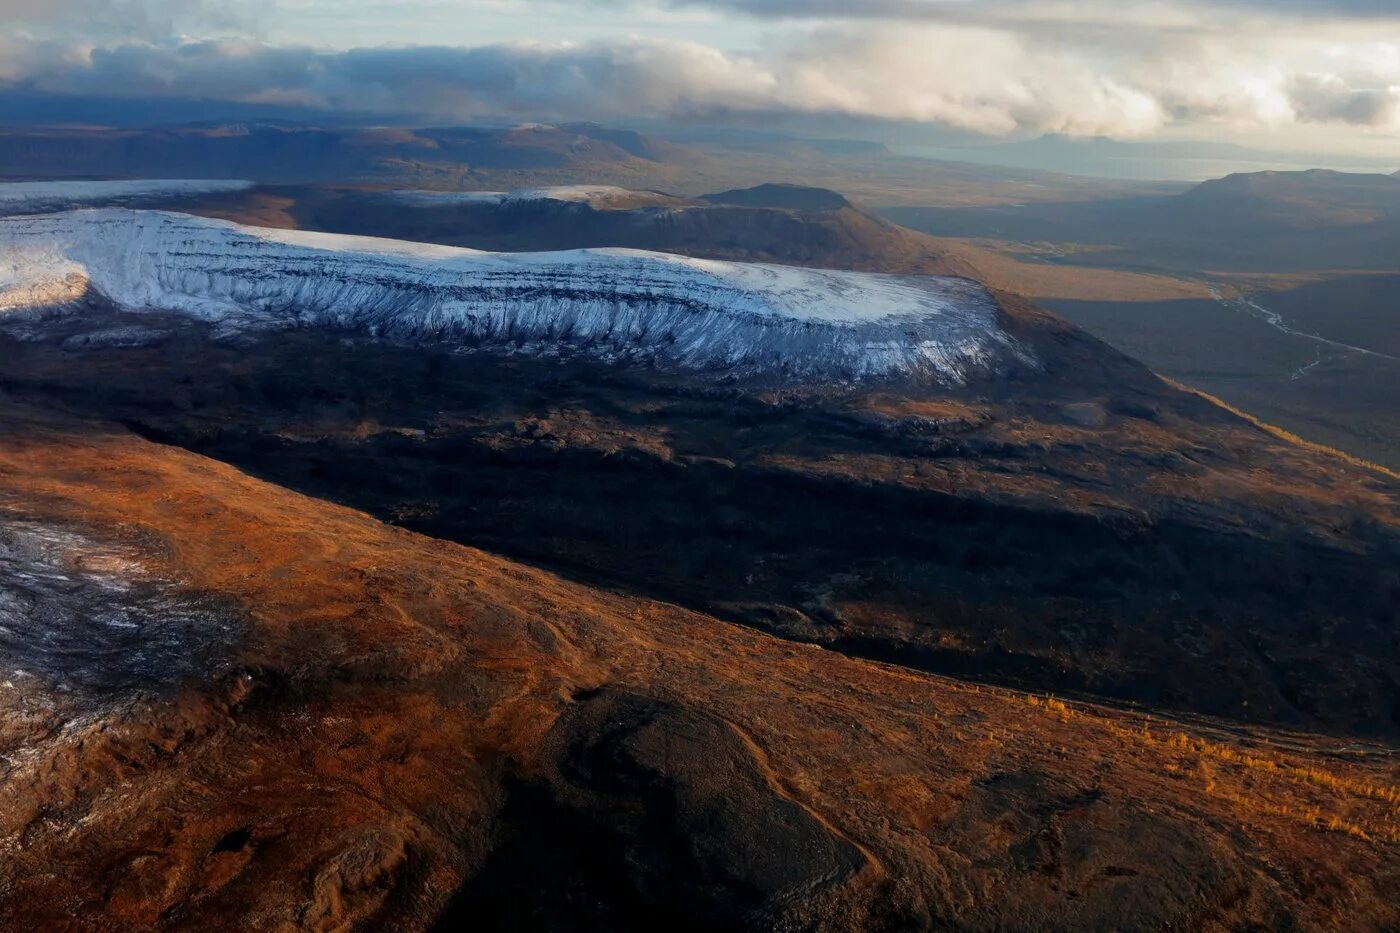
[(42, 197), (746, 318)]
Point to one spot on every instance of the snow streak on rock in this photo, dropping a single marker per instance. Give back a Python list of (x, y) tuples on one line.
[(89, 618)]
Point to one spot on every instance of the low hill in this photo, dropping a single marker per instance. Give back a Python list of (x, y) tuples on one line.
[(1308, 200), (782, 197), (762, 224)]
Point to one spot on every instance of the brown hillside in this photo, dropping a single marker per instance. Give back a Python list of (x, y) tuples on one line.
[(408, 730)]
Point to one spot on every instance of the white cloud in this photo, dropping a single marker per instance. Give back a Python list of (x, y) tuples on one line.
[(1000, 76), (1098, 10), (105, 20), (971, 78)]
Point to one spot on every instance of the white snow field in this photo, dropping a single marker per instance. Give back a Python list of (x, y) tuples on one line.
[(610, 303), (599, 195), (38, 197)]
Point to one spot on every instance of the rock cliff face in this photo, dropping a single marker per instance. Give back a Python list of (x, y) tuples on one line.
[(746, 317)]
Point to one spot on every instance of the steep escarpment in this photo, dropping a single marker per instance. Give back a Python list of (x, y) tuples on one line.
[(749, 319)]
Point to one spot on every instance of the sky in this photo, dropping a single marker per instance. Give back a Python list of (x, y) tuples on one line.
[(1293, 76)]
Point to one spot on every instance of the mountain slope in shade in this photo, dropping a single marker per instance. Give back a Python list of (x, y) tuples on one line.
[(1080, 526)]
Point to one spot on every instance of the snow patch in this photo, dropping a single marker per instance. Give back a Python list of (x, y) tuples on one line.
[(570, 194), (581, 194), (609, 303), (89, 618)]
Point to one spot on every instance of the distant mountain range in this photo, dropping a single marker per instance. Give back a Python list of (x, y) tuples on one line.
[(1264, 221), (1311, 199), (503, 157), (1187, 160), (278, 151)]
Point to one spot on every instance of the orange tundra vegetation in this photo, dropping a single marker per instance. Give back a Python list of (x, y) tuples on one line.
[(399, 709)]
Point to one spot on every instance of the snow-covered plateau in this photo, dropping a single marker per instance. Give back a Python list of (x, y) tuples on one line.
[(570, 194), (39, 197), (609, 303)]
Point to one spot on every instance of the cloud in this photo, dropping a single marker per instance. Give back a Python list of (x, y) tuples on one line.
[(1001, 88), (984, 79), (1083, 9), (970, 78), (1325, 98), (611, 78), (154, 20)]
